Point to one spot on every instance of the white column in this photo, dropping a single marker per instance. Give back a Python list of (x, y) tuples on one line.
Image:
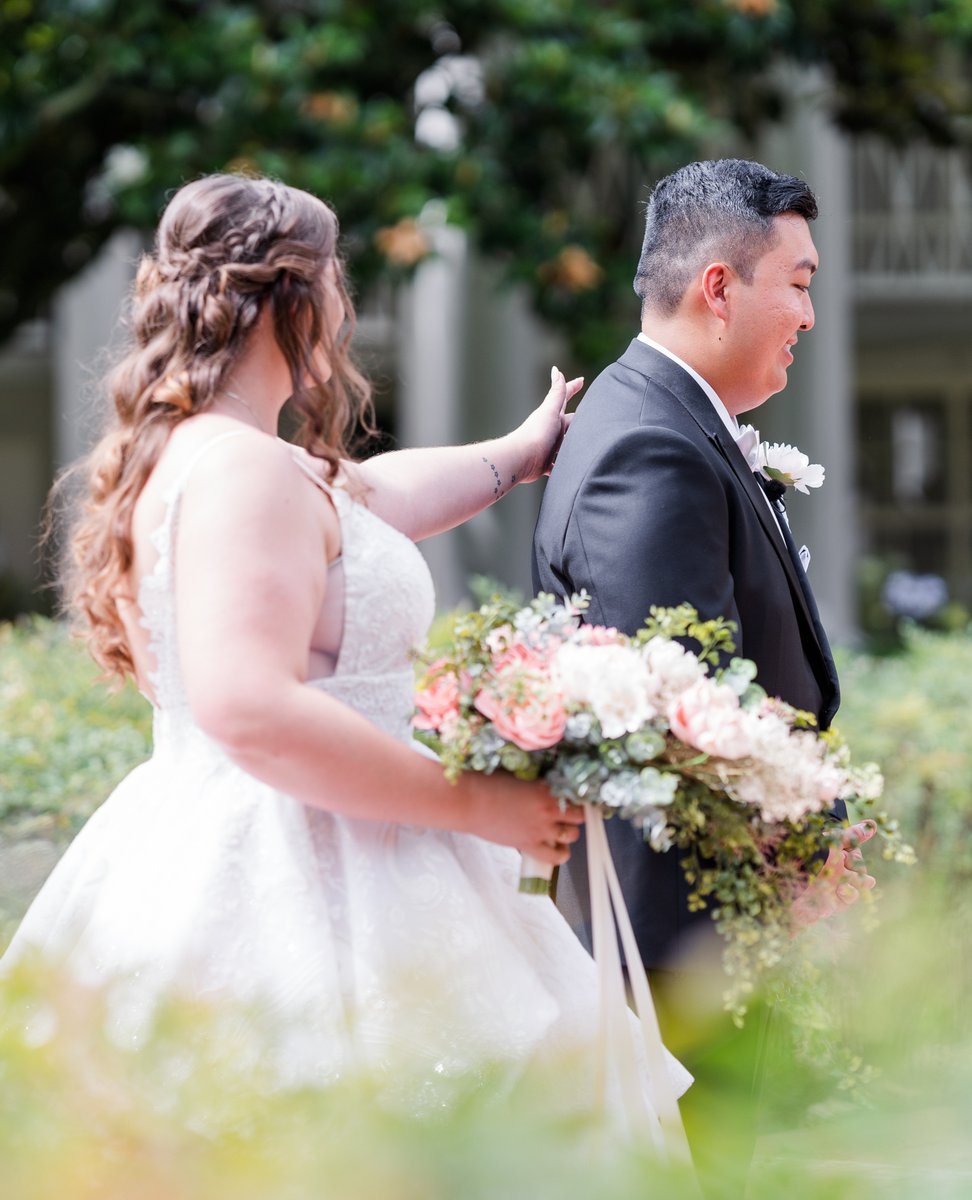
[(431, 329), (475, 360), (510, 358), (816, 411), (86, 331)]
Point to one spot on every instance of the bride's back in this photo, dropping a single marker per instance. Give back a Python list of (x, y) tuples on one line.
[(186, 460)]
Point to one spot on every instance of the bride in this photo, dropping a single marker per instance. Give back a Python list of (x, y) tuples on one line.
[(286, 847)]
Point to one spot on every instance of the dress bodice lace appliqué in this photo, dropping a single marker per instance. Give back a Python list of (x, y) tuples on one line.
[(388, 605)]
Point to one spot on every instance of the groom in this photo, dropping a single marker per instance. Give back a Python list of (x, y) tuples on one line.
[(652, 502)]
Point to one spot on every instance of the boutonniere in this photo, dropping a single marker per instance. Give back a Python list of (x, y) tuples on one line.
[(787, 465)]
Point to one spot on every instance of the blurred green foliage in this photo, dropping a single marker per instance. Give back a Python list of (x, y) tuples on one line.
[(564, 112), (65, 740), (189, 1114), (909, 712), (871, 1067), (875, 1022)]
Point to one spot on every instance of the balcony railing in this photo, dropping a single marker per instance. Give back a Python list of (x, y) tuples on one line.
[(912, 219)]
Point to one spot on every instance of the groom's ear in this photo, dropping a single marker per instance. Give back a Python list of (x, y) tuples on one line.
[(716, 281)]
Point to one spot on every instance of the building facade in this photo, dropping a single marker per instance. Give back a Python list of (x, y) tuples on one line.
[(880, 393)]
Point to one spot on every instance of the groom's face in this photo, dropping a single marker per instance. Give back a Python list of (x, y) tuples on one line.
[(767, 315)]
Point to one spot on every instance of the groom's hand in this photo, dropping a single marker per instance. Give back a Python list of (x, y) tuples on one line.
[(840, 882)]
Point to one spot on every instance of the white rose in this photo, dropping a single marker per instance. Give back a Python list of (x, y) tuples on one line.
[(790, 466), (674, 668), (613, 681)]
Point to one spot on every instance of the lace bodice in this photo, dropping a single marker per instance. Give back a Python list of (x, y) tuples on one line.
[(388, 605)]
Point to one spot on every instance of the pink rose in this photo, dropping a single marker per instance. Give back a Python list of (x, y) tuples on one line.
[(520, 656), (439, 699), (524, 706), (708, 717), (598, 635)]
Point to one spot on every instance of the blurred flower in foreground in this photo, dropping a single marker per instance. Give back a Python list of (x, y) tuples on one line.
[(192, 1113)]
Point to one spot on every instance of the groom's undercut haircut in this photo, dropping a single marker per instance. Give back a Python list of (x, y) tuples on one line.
[(715, 211)]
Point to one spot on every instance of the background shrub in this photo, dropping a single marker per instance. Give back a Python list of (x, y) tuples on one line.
[(910, 712), (65, 740)]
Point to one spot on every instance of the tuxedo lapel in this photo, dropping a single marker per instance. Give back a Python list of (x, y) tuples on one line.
[(781, 536), (773, 526), (833, 699)]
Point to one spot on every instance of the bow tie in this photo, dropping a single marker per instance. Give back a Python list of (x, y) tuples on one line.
[(747, 439)]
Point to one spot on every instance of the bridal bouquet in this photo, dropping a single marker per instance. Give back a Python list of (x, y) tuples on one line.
[(684, 743)]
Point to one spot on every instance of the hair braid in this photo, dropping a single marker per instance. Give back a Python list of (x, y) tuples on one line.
[(227, 247)]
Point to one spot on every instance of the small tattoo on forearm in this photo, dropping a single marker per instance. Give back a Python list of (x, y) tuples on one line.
[(497, 490)]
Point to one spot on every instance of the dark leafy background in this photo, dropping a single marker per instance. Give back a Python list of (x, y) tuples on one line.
[(582, 106)]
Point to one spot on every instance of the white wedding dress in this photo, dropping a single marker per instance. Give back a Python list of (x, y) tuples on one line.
[(367, 943)]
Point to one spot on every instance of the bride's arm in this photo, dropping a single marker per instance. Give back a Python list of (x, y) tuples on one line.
[(251, 574), (426, 491)]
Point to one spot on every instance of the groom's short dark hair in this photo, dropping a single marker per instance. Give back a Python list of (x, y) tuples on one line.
[(708, 211)]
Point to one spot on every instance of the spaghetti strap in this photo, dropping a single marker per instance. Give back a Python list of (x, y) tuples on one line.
[(329, 490), (305, 468), (177, 487)]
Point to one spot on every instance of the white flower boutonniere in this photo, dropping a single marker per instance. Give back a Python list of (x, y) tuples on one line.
[(786, 464), (790, 466)]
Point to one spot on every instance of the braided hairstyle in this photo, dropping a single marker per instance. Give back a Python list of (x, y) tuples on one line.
[(227, 248)]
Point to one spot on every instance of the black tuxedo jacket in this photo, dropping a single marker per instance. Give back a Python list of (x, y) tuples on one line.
[(651, 502)]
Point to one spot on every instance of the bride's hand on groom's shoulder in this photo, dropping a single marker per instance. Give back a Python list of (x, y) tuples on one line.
[(841, 881), (540, 435)]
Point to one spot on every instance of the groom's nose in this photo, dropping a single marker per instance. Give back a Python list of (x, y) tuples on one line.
[(807, 322)]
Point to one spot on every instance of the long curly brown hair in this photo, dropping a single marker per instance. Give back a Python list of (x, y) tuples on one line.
[(227, 247)]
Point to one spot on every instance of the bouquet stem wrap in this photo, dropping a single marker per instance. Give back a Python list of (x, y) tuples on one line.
[(619, 1036), (535, 876)]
